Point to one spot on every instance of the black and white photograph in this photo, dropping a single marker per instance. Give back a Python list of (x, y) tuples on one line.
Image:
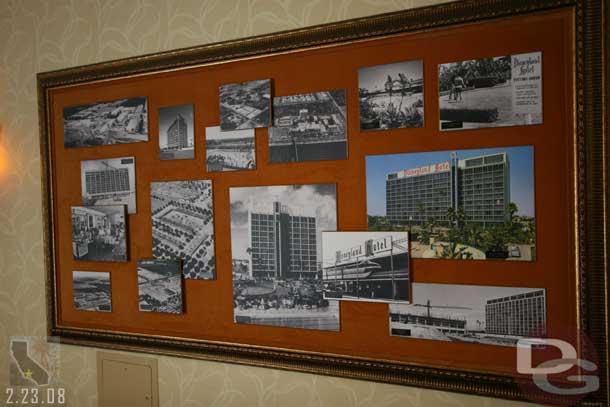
[(462, 205), (99, 233), (230, 150), (160, 286), (245, 105), (109, 181), (276, 242), (176, 132), (471, 313), (366, 266), (391, 96), (91, 291), (309, 127), (183, 226), (104, 123), (491, 92)]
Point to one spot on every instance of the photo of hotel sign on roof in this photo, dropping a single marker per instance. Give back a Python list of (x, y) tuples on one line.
[(491, 92), (463, 204), (366, 266), (103, 123), (471, 313), (309, 127), (245, 105)]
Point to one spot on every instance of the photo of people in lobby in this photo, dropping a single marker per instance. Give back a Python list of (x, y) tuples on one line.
[(98, 233)]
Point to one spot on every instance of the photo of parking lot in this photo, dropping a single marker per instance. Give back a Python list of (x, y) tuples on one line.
[(183, 225)]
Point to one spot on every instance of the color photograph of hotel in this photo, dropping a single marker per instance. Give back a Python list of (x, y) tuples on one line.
[(464, 204), (467, 313)]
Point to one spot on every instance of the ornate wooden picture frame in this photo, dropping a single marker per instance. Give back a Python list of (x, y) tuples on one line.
[(570, 150)]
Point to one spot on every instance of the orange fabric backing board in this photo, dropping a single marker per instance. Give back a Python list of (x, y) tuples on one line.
[(364, 326)]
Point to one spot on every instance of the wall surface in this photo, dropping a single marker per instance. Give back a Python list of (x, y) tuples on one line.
[(37, 36)]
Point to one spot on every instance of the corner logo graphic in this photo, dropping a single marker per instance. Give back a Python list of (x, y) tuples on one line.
[(34, 361), (578, 376)]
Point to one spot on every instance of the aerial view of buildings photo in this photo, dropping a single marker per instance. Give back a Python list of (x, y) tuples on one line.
[(98, 233), (230, 150), (183, 226), (103, 123), (366, 266), (276, 249), (110, 181), (160, 286), (391, 96), (467, 313), (176, 139), (245, 105), (91, 291), (308, 127), (491, 92), (464, 204)]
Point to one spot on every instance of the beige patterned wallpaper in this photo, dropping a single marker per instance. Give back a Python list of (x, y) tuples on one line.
[(43, 35)]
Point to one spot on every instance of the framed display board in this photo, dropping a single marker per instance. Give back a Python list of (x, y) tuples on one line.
[(401, 198)]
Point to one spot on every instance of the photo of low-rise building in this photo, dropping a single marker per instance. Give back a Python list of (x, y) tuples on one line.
[(104, 123), (309, 127), (366, 266), (245, 105), (474, 314)]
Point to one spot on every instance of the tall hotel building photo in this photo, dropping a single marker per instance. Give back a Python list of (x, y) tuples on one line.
[(177, 135), (480, 186), (282, 245), (106, 181), (517, 315)]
